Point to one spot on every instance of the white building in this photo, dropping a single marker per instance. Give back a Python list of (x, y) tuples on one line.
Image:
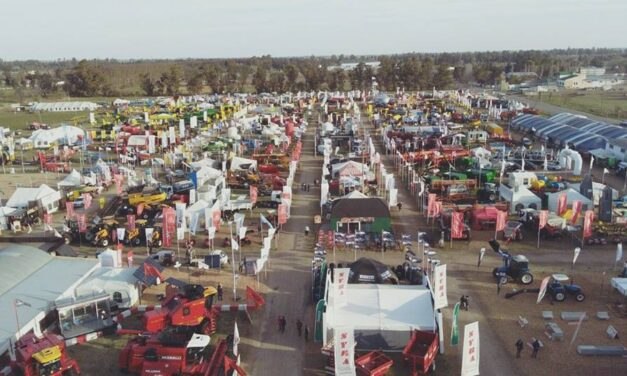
[(63, 106)]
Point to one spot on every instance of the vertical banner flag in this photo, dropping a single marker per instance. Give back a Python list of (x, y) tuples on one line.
[(457, 225), (576, 255), (437, 208), (121, 231), (182, 128), (282, 210), (82, 223), (48, 218), (587, 223), (561, 203), (619, 252), (454, 327), (130, 220), (470, 357), (87, 198), (481, 254), (576, 212), (253, 194), (149, 231), (340, 282), (543, 286), (344, 351), (501, 220), (439, 287), (172, 135), (236, 340), (192, 196), (69, 207), (431, 205), (180, 233), (543, 218), (194, 223), (217, 215), (242, 232), (152, 140), (330, 239), (169, 225), (129, 258)]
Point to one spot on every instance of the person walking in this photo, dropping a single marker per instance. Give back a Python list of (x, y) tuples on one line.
[(306, 333), (280, 323), (299, 327), (519, 347), (220, 292), (306, 230), (399, 206), (536, 347), (283, 324), (463, 302)]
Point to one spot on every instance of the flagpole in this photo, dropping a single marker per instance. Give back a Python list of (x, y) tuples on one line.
[(233, 261)]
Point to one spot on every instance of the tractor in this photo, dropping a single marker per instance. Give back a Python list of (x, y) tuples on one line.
[(38, 356), (514, 267), (559, 289)]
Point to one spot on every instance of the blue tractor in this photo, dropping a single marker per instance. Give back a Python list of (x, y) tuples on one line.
[(559, 289), (514, 267)]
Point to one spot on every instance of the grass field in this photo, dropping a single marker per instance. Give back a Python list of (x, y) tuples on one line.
[(610, 104), (21, 120)]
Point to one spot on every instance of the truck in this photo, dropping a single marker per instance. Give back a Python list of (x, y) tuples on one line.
[(45, 355), (179, 187)]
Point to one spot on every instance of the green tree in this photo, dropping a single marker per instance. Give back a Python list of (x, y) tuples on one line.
[(443, 78), (46, 84), (291, 74), (425, 77), (260, 79), (276, 82), (147, 84), (85, 79), (170, 81), (195, 83)]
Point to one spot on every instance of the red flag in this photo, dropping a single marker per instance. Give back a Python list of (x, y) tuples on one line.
[(216, 216), (330, 238), (82, 223), (87, 200), (69, 207), (501, 219), (150, 270), (561, 203), (253, 194), (576, 211), (457, 226), (254, 296), (129, 258), (587, 223), (130, 221), (437, 208), (48, 218), (431, 205), (320, 236), (169, 224), (543, 218), (282, 214)]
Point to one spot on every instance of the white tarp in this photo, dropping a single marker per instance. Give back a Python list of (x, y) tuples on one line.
[(380, 314)]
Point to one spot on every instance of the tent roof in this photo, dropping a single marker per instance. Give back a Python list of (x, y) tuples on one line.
[(359, 207), (382, 307), (23, 195), (72, 180), (355, 194)]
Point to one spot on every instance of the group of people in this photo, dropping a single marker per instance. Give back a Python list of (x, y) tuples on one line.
[(301, 329), (535, 345)]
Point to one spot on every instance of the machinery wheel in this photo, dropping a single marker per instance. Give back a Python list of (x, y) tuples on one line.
[(492, 197), (137, 242), (105, 242), (67, 238), (89, 236), (495, 272), (559, 296), (580, 297), (526, 279), (159, 243), (503, 280)]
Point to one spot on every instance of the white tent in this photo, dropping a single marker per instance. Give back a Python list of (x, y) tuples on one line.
[(46, 197), (381, 315), (350, 168), (572, 196), (5, 211), (238, 163), (64, 135), (70, 181), (355, 194), (197, 207), (519, 198)]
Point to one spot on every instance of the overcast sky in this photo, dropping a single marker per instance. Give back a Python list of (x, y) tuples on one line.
[(45, 29)]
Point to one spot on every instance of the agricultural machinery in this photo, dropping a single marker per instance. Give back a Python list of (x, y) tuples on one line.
[(43, 356), (559, 289), (514, 267), (513, 230), (174, 353)]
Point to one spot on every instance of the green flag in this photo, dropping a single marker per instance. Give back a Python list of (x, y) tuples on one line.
[(454, 329)]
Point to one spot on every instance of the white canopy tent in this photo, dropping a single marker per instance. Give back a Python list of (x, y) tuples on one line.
[(381, 315), (70, 181), (519, 197), (64, 135)]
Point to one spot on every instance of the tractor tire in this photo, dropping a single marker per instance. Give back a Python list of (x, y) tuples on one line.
[(495, 272), (492, 197), (137, 242), (559, 297), (526, 279), (104, 242), (159, 243), (67, 239), (580, 297), (503, 280), (89, 236)]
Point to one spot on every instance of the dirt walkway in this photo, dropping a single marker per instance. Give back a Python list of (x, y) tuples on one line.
[(494, 359)]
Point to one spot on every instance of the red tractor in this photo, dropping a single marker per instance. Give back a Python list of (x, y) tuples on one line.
[(175, 353), (190, 307), (46, 355)]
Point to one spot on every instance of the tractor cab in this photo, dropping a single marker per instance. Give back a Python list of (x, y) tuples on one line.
[(559, 287), (514, 267), (47, 361), (519, 263)]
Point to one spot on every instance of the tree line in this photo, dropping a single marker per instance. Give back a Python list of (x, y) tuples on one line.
[(271, 74)]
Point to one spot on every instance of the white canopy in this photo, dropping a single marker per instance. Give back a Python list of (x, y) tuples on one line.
[(72, 180), (350, 168), (238, 163), (355, 194), (65, 134), (388, 312)]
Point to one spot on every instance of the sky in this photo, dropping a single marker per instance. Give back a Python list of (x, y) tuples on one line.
[(137, 29)]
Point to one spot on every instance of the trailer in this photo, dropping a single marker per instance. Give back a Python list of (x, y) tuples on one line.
[(420, 351), (374, 363)]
